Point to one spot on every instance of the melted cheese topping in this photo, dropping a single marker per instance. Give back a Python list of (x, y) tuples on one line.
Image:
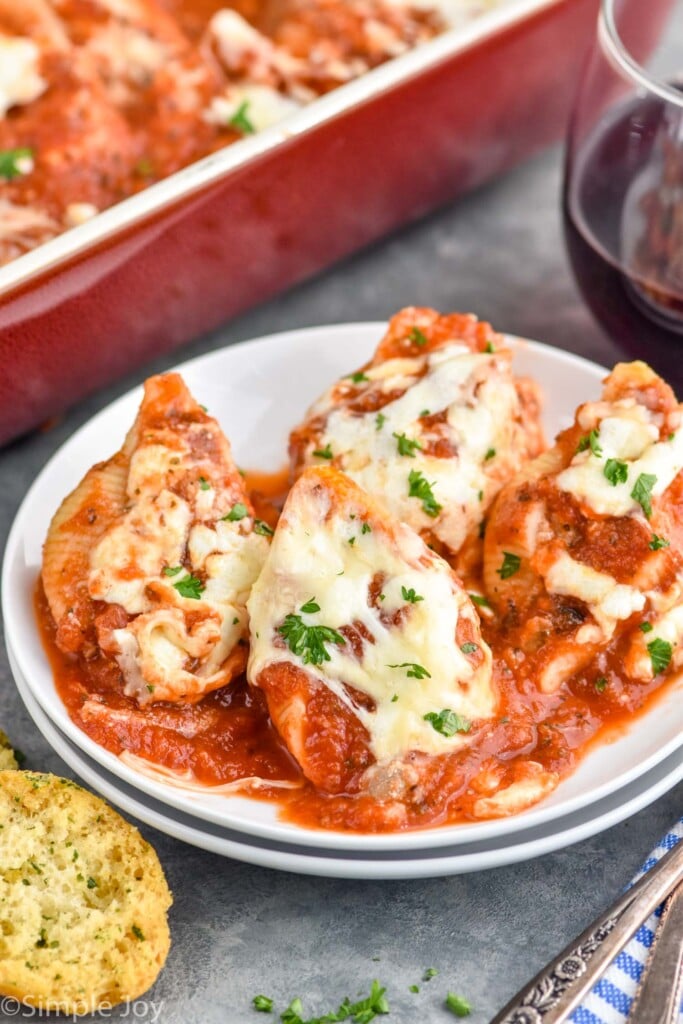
[(263, 106), (668, 627), (311, 556), (607, 600), (626, 432), (478, 395), (20, 81), (161, 530)]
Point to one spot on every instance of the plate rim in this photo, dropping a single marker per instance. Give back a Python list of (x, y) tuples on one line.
[(278, 830)]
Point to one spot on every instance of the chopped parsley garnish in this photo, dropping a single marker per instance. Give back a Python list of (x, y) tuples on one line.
[(469, 647), (172, 570), (352, 541), (657, 543), (458, 1005), (414, 671), (240, 120), (263, 529), (414, 988), (661, 652), (479, 600), (138, 933), (418, 337), (642, 492), (204, 484), (15, 162), (361, 1012), (511, 565), (308, 642), (380, 420), (447, 722), (591, 441), (645, 627), (425, 412), (310, 607), (406, 445), (430, 973), (394, 698), (366, 528), (237, 512), (190, 587), (489, 348), (263, 1004), (419, 487), (601, 684), (410, 595), (616, 472), (91, 883), (358, 377), (490, 454), (324, 453)]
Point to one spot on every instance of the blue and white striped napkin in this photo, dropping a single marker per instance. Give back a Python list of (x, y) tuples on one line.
[(611, 999)]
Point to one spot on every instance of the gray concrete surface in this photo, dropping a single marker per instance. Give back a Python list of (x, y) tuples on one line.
[(240, 930)]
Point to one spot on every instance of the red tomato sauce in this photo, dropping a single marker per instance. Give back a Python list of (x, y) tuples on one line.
[(228, 735)]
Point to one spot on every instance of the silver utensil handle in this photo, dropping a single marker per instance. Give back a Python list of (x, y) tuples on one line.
[(659, 997), (559, 988)]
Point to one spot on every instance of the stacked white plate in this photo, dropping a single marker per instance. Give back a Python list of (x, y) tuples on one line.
[(258, 390)]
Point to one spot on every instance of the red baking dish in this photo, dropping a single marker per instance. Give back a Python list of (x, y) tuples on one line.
[(160, 268)]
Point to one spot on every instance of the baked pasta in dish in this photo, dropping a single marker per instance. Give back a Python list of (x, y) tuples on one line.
[(149, 562), (433, 629), (583, 550), (101, 98), (367, 647), (433, 425)]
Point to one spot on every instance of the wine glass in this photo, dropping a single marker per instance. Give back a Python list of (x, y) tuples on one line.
[(623, 191)]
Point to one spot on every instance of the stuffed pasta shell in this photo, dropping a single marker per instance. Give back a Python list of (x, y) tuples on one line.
[(367, 648), (150, 560), (433, 425), (584, 549)]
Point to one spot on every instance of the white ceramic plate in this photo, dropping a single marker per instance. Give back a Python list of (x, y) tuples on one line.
[(435, 861), (259, 390)]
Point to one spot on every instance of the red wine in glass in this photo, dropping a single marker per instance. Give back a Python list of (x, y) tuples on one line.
[(623, 219)]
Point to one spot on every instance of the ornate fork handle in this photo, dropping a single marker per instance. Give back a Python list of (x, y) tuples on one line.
[(559, 988)]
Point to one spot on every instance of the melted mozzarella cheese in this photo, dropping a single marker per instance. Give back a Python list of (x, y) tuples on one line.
[(311, 555), (626, 432), (668, 627), (478, 396), (20, 81), (608, 601)]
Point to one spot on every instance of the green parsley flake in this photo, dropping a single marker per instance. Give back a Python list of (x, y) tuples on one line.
[(425, 412), (324, 453), (237, 512), (414, 988), (642, 492), (263, 529), (310, 607), (601, 684), (657, 543), (414, 671), (366, 528), (489, 348), (91, 883), (190, 587), (479, 600), (240, 120), (447, 722), (172, 570), (616, 472), (361, 1012), (410, 595), (263, 1004), (591, 441), (406, 445), (358, 378), (645, 627), (469, 648), (661, 652), (419, 487), (394, 698), (418, 337), (490, 454), (15, 162), (458, 1005), (138, 933), (308, 642), (204, 484), (511, 565), (430, 973), (380, 420)]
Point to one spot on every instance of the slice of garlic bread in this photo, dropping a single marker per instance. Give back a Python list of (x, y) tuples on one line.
[(83, 898)]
